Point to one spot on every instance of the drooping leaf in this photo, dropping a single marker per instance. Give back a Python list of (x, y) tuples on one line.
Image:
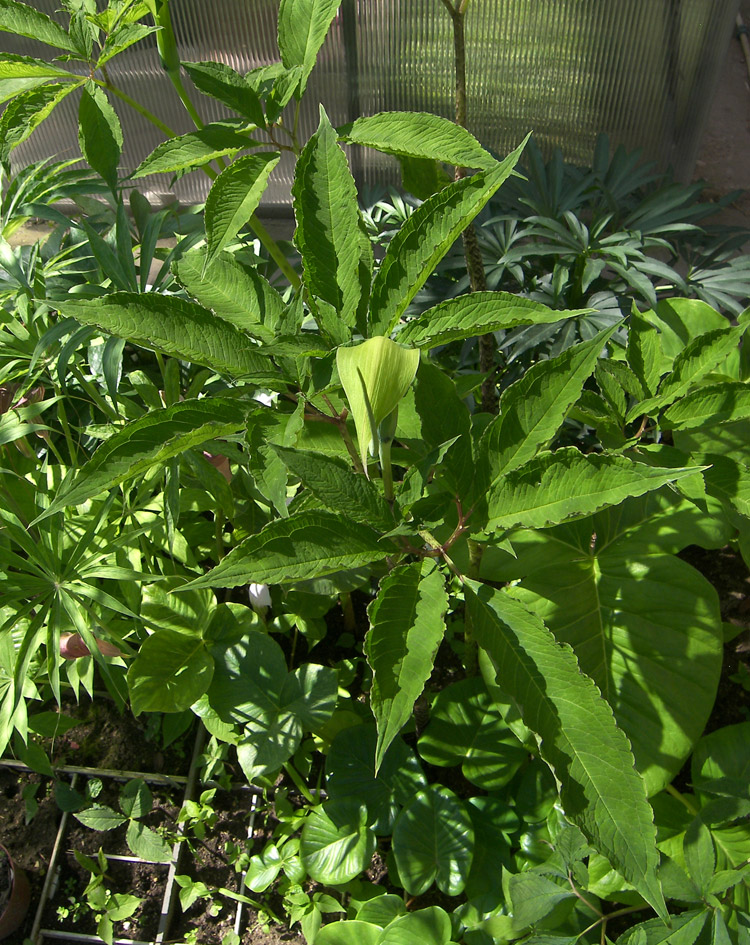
[(176, 327), (555, 487), (238, 295), (303, 26), (375, 376), (333, 483), (407, 623), (433, 842), (221, 82), (99, 133), (336, 843), (425, 238), (477, 314), (328, 223), (24, 20), (601, 792), (419, 135), (23, 115), (150, 441), (26, 67), (234, 198), (304, 546), (194, 149)]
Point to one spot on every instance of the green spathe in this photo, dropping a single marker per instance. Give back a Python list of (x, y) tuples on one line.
[(375, 376)]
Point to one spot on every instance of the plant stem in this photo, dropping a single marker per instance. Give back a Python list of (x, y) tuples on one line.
[(472, 252), (136, 106), (172, 63), (350, 621), (471, 654), (386, 471), (681, 798), (272, 247), (299, 782)]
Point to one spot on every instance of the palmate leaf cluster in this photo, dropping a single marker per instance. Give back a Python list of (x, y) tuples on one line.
[(173, 441)]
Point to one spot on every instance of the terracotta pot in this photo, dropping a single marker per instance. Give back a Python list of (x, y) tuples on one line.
[(18, 904)]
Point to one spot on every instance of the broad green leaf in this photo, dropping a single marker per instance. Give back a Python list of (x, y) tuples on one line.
[(723, 754), (298, 548), (708, 406), (533, 409), (234, 198), (433, 841), (99, 133), (24, 20), (136, 799), (194, 149), (382, 910), (430, 926), (99, 817), (699, 852), (328, 223), (341, 490), (336, 843), (425, 238), (238, 295), (601, 791), (467, 728), (248, 678), (606, 587), (347, 932), (267, 743), (350, 772), (566, 484), (683, 929), (419, 135), (147, 844), (728, 481), (375, 376), (644, 352), (303, 26), (679, 321), (476, 314), (170, 673), (150, 441), (699, 357), (221, 82), (178, 328), (533, 897), (27, 111), (26, 67), (9, 88), (407, 624)]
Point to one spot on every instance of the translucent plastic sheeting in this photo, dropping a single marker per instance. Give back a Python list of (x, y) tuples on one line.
[(644, 71)]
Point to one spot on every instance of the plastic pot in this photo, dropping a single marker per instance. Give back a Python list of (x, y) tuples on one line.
[(17, 905)]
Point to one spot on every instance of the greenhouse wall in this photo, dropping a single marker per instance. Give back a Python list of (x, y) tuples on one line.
[(643, 71)]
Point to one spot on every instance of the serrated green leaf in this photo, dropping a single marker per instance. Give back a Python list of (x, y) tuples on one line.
[(533, 409), (601, 586), (234, 197), (433, 841), (178, 328), (26, 67), (407, 624), (238, 295), (147, 844), (700, 356), (122, 38), (304, 546), (533, 897), (699, 852), (566, 484), (328, 223), (477, 314), (99, 817), (191, 150), (150, 441), (24, 20), (601, 792), (222, 82), (170, 673), (333, 482), (683, 929), (425, 238), (99, 133), (303, 26), (721, 403), (27, 111), (419, 135)]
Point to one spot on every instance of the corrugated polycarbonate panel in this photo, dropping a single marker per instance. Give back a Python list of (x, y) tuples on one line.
[(643, 71)]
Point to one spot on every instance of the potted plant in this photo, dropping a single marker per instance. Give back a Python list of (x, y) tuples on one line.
[(15, 894)]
